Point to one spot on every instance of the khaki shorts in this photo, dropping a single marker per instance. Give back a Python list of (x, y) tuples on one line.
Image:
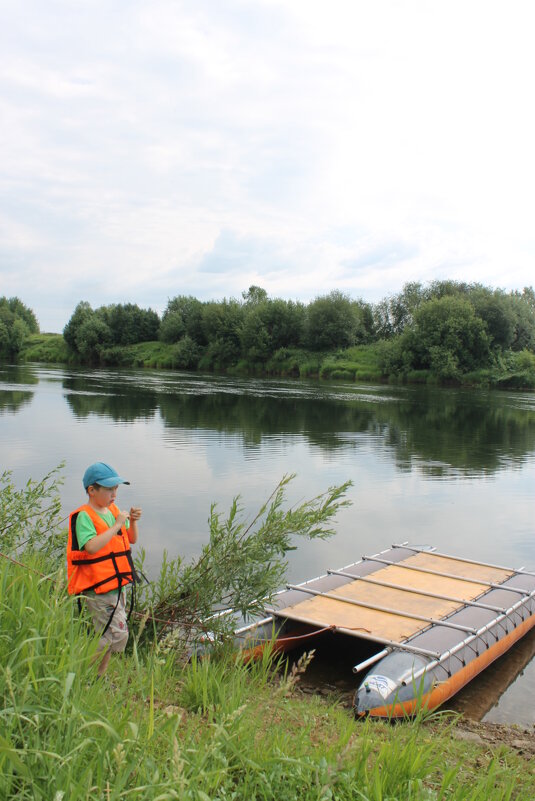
[(101, 607)]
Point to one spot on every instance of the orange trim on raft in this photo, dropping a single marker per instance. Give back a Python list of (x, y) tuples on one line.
[(445, 690), (281, 644)]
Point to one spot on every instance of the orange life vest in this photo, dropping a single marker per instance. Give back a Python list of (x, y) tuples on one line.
[(108, 569)]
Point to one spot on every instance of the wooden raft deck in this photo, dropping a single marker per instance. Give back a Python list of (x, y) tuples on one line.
[(396, 601)]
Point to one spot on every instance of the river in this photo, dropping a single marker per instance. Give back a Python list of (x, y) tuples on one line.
[(447, 467)]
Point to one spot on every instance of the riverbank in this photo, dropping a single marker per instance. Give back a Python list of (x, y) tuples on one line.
[(159, 728), (358, 363)]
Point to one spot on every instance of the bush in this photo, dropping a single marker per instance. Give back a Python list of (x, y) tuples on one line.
[(343, 375), (186, 354), (309, 369), (333, 321), (524, 360), (116, 356)]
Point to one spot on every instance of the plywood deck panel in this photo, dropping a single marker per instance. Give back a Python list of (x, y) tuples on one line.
[(324, 611), (446, 564)]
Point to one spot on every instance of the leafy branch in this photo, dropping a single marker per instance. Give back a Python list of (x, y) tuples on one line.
[(242, 565), (28, 515)]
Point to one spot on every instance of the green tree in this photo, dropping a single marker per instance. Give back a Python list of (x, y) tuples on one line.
[(394, 313), (21, 311), (254, 295), (403, 306), (172, 327), (130, 324), (270, 325), (183, 316), (523, 304), (332, 322), (80, 315), (91, 337), (439, 289), (448, 337), (89, 330), (495, 308), (186, 354), (382, 322), (367, 322), (221, 325), (17, 322)]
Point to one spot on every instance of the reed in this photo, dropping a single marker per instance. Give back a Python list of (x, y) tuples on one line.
[(216, 728), (157, 727)]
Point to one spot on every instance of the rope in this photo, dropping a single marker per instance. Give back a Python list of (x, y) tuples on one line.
[(31, 569), (197, 625)]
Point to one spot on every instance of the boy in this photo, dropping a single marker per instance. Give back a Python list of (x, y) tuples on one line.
[(99, 560)]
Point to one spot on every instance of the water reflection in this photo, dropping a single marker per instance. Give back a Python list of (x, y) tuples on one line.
[(16, 374), (438, 432), (486, 697), (12, 397), (109, 395), (11, 400)]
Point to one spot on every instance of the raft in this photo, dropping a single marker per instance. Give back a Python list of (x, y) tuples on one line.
[(432, 621)]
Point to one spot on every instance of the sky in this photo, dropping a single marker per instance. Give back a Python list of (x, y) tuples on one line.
[(154, 148)]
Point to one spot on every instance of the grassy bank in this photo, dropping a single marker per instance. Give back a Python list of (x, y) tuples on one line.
[(48, 348), (157, 729), (358, 363)]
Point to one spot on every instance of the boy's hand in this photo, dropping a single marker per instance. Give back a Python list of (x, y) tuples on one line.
[(121, 518), (135, 512)]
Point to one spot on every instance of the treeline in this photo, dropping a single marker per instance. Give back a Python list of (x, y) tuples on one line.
[(17, 322), (218, 334), (92, 333), (446, 329), (452, 328)]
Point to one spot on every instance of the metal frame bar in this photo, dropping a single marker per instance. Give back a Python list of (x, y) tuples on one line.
[(372, 660), (483, 630), (361, 635), (446, 575), (433, 621), (370, 580), (461, 559)]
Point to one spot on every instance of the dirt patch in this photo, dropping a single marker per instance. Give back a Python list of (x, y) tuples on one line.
[(497, 734)]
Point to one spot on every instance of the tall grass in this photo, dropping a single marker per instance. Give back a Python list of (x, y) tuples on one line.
[(50, 348), (213, 729)]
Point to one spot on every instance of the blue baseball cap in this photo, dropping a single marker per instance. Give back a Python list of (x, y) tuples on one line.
[(103, 474)]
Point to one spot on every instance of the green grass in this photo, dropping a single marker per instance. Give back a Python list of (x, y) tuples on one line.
[(44, 348), (213, 729), (358, 363)]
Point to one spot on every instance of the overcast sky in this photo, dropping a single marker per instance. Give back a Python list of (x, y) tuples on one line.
[(151, 148)]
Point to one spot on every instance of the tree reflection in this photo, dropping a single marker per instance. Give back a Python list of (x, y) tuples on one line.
[(120, 400), (12, 400), (18, 374), (436, 431)]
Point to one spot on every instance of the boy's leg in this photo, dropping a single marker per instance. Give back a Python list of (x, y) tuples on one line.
[(104, 662), (101, 608)]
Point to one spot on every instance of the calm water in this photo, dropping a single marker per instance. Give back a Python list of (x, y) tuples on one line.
[(451, 468)]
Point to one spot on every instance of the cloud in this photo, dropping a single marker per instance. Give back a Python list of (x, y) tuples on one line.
[(233, 254), (381, 255), (156, 148)]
